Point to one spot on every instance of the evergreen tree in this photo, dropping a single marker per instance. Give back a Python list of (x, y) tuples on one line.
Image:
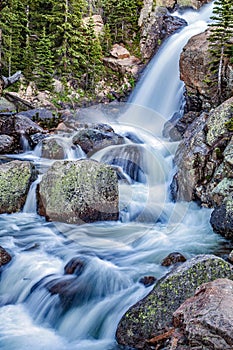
[(12, 23), (93, 55), (221, 34), (44, 64)]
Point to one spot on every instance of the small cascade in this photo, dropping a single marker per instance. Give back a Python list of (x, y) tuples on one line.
[(24, 143), (160, 88), (31, 203)]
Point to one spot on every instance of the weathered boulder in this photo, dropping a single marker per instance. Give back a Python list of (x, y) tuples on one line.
[(131, 65), (4, 257), (206, 319), (92, 140), (15, 180), (7, 144), (119, 51), (153, 314), (25, 126), (195, 71), (52, 149), (79, 192), (204, 157)]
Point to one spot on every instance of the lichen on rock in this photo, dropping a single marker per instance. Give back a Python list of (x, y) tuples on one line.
[(154, 313), (79, 192), (15, 180)]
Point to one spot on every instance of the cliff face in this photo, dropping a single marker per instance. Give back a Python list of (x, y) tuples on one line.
[(195, 72)]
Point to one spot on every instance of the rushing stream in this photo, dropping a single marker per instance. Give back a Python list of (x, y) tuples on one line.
[(111, 257)]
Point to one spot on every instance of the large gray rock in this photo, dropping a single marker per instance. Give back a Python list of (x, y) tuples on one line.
[(15, 180), (79, 192), (92, 140), (52, 149), (195, 64), (204, 158), (154, 313), (206, 319)]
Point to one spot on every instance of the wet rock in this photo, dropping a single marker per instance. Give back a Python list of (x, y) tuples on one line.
[(147, 280), (150, 316), (79, 192), (7, 124), (92, 140), (206, 319), (4, 257), (173, 258), (74, 266), (15, 180), (7, 144), (175, 128), (51, 149)]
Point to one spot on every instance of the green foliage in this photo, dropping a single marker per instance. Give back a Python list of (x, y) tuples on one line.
[(220, 42), (48, 39)]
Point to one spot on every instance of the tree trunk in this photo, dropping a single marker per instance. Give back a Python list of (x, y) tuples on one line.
[(5, 82)]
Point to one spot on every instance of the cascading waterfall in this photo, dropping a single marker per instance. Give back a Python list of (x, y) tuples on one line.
[(67, 286)]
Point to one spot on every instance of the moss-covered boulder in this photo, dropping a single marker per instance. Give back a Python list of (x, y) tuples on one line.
[(15, 180), (152, 315), (79, 192)]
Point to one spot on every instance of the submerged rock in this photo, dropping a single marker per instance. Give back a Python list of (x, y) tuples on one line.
[(206, 319), (79, 192), (153, 314), (4, 257), (15, 180), (173, 258)]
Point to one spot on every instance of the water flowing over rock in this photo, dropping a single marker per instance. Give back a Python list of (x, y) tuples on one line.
[(51, 149), (92, 140), (154, 313), (206, 320), (15, 180), (79, 192)]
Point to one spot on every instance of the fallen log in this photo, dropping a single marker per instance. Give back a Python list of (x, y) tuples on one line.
[(7, 81)]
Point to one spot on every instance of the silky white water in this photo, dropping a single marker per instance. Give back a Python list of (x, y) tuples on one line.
[(41, 306)]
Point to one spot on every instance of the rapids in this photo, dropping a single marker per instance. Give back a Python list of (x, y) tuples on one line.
[(43, 308)]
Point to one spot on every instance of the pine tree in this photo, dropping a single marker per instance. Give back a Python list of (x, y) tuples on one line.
[(44, 64), (93, 55), (12, 23), (221, 34)]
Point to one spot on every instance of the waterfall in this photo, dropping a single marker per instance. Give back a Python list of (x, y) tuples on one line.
[(68, 286)]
